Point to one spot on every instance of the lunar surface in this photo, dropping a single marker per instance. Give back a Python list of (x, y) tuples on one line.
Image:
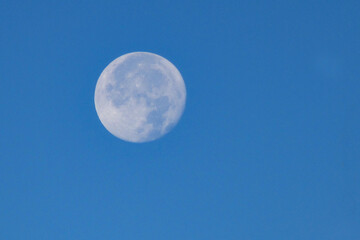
[(140, 97)]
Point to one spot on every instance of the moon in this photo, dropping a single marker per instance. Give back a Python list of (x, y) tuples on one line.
[(140, 97)]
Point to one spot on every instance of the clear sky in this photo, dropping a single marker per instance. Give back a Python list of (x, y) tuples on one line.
[(268, 146)]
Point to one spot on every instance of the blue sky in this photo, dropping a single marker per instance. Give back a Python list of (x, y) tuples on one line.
[(268, 146)]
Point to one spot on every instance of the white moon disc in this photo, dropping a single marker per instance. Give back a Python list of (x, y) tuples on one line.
[(140, 97)]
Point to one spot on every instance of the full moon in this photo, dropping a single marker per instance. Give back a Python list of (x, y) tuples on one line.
[(140, 96)]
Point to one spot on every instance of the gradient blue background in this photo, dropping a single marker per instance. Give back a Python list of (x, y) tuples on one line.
[(268, 146)]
